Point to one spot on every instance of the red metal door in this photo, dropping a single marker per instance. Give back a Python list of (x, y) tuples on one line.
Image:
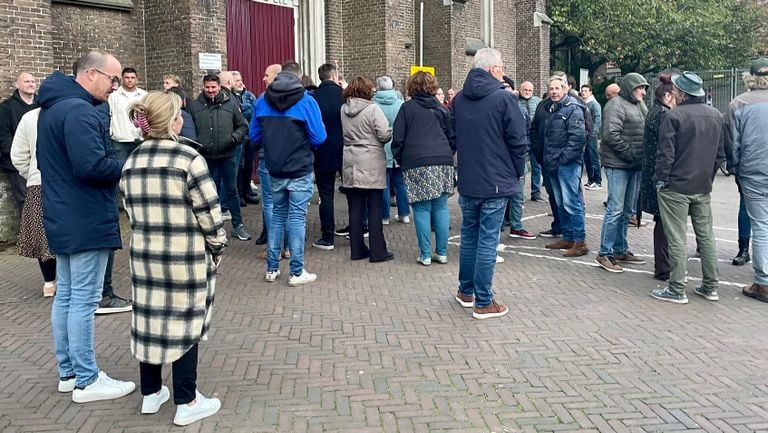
[(258, 35)]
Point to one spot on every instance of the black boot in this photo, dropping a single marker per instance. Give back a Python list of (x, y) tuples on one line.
[(263, 236), (742, 258)]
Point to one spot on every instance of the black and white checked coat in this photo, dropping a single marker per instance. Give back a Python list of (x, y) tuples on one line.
[(174, 210)]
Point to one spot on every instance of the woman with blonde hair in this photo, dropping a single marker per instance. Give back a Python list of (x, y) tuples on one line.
[(176, 245)]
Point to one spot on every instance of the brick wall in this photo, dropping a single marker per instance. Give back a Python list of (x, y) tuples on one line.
[(25, 41), (168, 43), (437, 31), (334, 32), (207, 34), (77, 29), (533, 49), (364, 29)]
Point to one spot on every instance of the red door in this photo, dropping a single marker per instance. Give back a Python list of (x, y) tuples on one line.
[(258, 35)]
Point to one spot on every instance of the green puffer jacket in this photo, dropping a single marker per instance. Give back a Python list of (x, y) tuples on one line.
[(220, 124), (623, 125)]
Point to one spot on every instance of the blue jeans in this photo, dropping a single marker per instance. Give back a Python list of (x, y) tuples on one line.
[(745, 227), (535, 175), (756, 202), (395, 174), (480, 226), (516, 211), (555, 226), (78, 292), (622, 190), (566, 186), (289, 217), (123, 149), (425, 215), (266, 194), (592, 161), (224, 173)]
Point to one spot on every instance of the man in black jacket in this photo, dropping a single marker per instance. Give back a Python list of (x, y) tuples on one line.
[(11, 110), (328, 156), (492, 146), (689, 154), (221, 127)]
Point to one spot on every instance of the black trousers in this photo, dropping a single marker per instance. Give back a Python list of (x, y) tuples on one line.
[(184, 377), (357, 199), (326, 187), (245, 170), (48, 268), (660, 251)]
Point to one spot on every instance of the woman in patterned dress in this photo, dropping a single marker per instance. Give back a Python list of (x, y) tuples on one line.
[(176, 244), (423, 144)]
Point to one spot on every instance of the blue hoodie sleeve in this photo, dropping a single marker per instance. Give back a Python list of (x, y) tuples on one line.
[(515, 134), (254, 131), (87, 149), (314, 121)]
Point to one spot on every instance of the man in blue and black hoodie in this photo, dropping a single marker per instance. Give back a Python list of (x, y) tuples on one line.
[(492, 145), (288, 125)]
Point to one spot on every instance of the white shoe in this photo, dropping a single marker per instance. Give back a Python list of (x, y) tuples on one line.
[(271, 277), (442, 259), (67, 385), (105, 388), (152, 402), (226, 216), (385, 221), (405, 220), (304, 278), (203, 408), (425, 262), (499, 259)]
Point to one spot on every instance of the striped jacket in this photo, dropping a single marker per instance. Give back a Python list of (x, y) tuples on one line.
[(176, 221)]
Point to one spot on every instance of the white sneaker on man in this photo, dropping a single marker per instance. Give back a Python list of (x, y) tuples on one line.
[(203, 408), (272, 276), (151, 403), (303, 278), (403, 219), (105, 388), (67, 385)]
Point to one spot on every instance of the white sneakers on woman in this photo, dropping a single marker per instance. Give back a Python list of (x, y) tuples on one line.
[(152, 402), (203, 408)]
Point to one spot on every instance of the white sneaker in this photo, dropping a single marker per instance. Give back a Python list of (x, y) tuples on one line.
[(385, 221), (203, 408), (304, 278), (271, 277), (226, 216), (105, 388), (67, 385), (499, 259), (152, 402), (442, 259), (405, 220), (425, 262)]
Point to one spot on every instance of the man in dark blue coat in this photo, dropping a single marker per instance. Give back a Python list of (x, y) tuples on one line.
[(492, 146), (79, 183), (329, 97)]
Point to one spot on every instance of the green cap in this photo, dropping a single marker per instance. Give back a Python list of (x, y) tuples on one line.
[(759, 67)]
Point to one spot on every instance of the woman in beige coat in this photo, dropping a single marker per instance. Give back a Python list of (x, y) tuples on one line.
[(364, 168), (176, 244)]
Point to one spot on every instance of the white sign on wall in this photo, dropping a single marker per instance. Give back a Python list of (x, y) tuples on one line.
[(210, 61)]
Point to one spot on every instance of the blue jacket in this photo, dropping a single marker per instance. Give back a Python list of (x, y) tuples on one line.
[(79, 178), (491, 138), (564, 134), (330, 98), (188, 129), (287, 124), (390, 104)]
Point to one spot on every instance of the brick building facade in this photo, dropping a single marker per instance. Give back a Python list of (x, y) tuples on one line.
[(370, 37)]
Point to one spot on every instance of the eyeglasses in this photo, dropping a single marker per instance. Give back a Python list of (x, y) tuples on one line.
[(115, 80)]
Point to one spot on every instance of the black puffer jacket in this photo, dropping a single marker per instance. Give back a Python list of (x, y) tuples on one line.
[(650, 147), (220, 124), (564, 134), (623, 125)]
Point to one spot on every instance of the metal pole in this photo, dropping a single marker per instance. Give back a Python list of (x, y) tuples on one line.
[(421, 33)]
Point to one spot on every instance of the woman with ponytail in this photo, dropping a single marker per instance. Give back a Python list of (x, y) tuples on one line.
[(176, 245)]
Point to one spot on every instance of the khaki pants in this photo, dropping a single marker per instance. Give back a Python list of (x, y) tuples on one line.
[(675, 208)]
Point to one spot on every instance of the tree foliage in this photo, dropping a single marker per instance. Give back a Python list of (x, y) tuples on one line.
[(650, 35)]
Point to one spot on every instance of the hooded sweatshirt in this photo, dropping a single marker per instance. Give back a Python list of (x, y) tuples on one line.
[(623, 126), (390, 104), (11, 111), (79, 178), (423, 134), (287, 124), (491, 137)]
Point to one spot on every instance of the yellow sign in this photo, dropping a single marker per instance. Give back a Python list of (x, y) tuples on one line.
[(427, 69)]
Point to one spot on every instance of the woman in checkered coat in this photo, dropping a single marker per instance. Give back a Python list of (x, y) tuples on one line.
[(176, 243)]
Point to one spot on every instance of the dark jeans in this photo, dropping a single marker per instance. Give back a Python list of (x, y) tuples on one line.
[(48, 268), (184, 377), (745, 226), (556, 229), (357, 200), (592, 161), (245, 171), (660, 251), (18, 186), (107, 289), (536, 174), (326, 188), (224, 172)]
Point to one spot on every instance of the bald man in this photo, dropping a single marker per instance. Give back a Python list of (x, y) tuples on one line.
[(11, 110), (227, 79), (270, 73), (612, 91)]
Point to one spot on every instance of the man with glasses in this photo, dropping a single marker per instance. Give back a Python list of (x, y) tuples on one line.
[(529, 102), (79, 182)]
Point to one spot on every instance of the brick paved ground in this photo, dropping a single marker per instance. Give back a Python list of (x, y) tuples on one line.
[(384, 348)]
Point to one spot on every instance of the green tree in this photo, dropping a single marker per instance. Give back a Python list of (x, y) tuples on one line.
[(650, 35)]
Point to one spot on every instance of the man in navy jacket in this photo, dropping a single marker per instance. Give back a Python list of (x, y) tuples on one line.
[(492, 146), (79, 183)]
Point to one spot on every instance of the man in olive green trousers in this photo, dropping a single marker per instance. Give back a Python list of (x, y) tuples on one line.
[(689, 154)]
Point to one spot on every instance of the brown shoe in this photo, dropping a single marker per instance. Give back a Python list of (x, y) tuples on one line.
[(609, 264), (578, 249), (286, 254), (493, 310), (633, 222), (560, 245), (466, 301), (756, 291)]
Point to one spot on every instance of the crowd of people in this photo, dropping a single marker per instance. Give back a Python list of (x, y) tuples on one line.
[(183, 166)]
